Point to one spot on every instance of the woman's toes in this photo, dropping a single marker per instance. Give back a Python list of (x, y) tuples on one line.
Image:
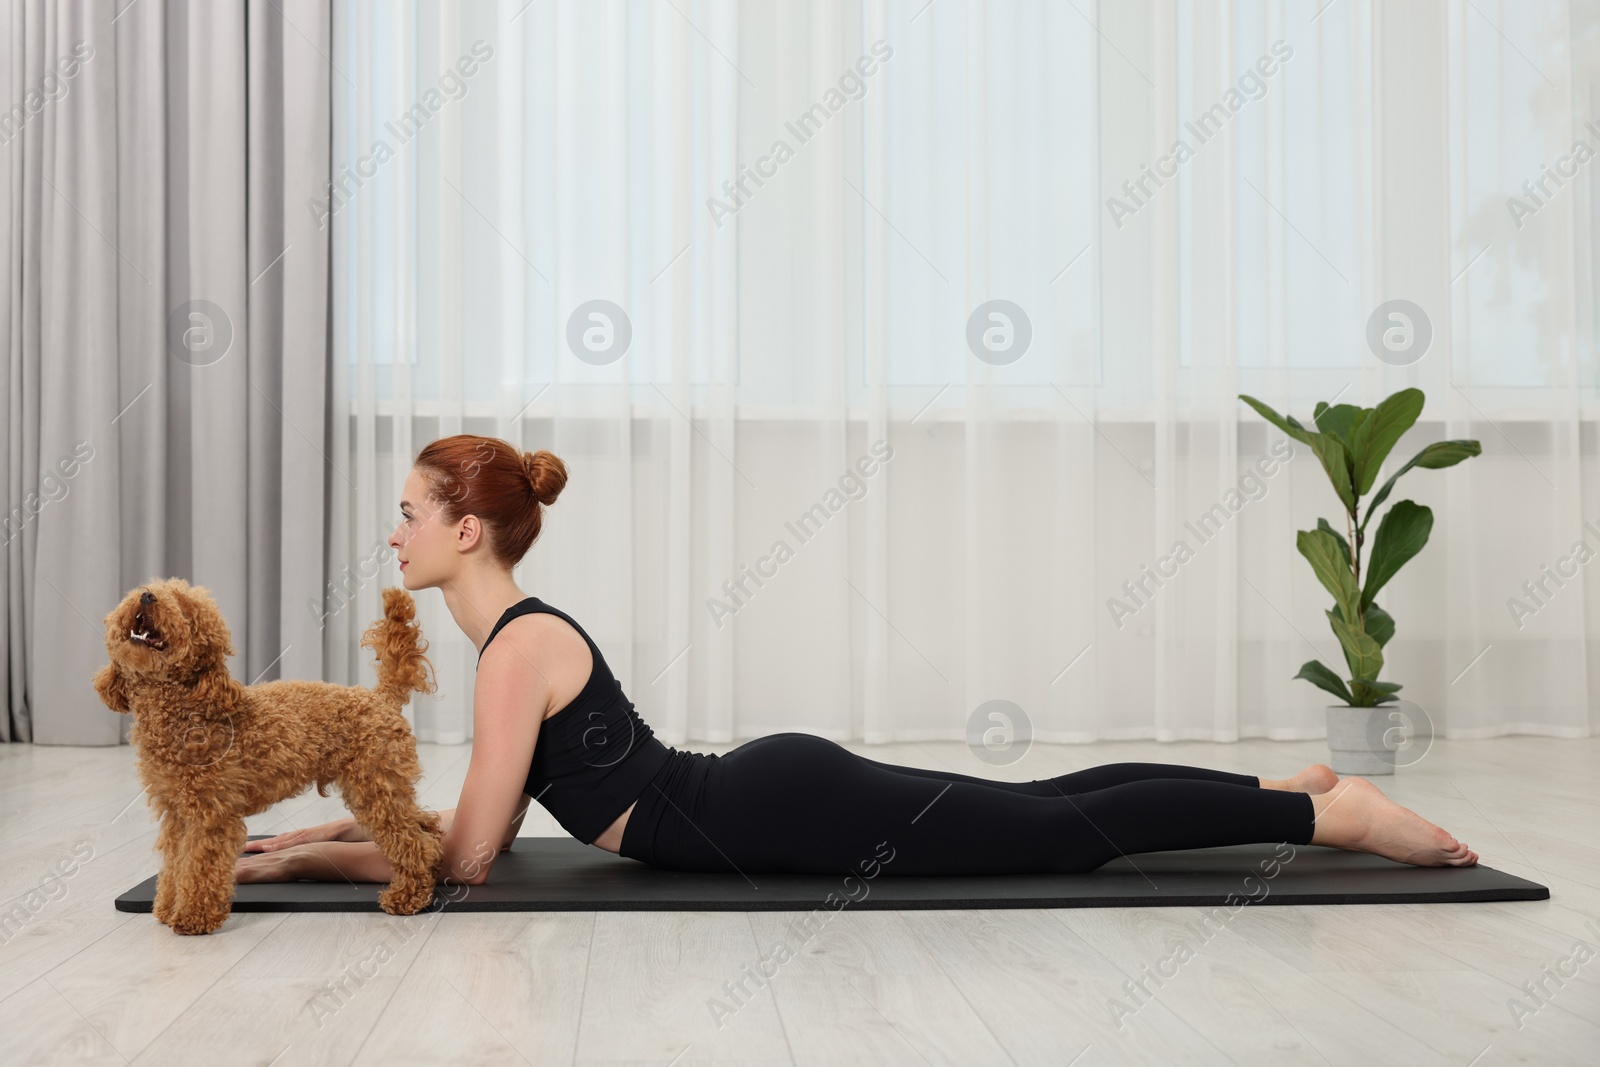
[(1365, 819)]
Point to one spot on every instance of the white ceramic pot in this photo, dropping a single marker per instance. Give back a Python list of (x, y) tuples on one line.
[(1357, 740)]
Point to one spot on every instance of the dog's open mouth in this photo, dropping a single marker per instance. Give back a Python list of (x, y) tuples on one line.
[(146, 634)]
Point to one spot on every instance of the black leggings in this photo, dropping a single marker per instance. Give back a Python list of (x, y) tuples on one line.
[(798, 803)]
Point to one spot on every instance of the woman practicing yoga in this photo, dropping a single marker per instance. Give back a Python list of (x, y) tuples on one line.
[(551, 723)]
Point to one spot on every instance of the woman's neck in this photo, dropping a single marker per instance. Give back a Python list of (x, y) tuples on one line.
[(477, 601)]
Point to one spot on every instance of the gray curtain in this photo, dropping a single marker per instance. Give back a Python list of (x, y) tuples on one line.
[(164, 312)]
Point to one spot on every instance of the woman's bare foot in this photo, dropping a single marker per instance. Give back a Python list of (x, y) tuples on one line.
[(1317, 778), (1356, 815)]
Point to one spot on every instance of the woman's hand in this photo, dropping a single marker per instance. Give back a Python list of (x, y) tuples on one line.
[(277, 866), (346, 829)]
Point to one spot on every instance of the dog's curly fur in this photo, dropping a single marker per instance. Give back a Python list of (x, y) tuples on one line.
[(212, 751)]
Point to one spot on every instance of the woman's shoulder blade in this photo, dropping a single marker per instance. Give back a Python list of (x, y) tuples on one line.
[(543, 646)]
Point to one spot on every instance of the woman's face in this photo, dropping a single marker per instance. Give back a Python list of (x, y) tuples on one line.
[(424, 546)]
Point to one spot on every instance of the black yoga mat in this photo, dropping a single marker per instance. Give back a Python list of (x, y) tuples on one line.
[(562, 874)]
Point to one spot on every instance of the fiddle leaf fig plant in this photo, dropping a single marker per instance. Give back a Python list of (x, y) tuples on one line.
[(1351, 443)]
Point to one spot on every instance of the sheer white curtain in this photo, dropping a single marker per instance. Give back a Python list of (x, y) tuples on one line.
[(830, 486)]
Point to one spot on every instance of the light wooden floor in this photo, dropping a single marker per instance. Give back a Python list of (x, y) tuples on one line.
[(1350, 984)]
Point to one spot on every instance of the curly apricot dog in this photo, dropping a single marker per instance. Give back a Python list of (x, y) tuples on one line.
[(212, 751)]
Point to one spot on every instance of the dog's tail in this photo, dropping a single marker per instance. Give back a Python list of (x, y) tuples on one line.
[(398, 641)]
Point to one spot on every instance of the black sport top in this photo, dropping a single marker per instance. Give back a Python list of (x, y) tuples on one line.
[(593, 757)]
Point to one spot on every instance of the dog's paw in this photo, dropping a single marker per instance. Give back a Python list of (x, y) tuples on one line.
[(162, 906), (405, 900), (197, 923)]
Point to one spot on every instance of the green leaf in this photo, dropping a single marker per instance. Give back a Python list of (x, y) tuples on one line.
[(1446, 454), (1336, 461), (1401, 535), (1322, 549), (1289, 426), (1376, 436), (1371, 694), (1378, 623), (1375, 622), (1344, 544), (1361, 418), (1437, 455), (1314, 672), (1337, 421), (1360, 651)]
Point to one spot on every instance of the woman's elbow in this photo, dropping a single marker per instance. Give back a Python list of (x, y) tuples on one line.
[(468, 870), (473, 873)]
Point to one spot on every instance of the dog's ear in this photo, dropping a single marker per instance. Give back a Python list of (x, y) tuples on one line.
[(210, 630), (214, 687), (219, 692), (108, 683)]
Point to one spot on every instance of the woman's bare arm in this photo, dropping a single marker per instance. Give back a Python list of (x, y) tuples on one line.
[(356, 832), (342, 861), (516, 824), (335, 861), (505, 735)]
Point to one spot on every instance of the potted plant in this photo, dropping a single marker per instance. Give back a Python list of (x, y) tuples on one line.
[(1352, 443)]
